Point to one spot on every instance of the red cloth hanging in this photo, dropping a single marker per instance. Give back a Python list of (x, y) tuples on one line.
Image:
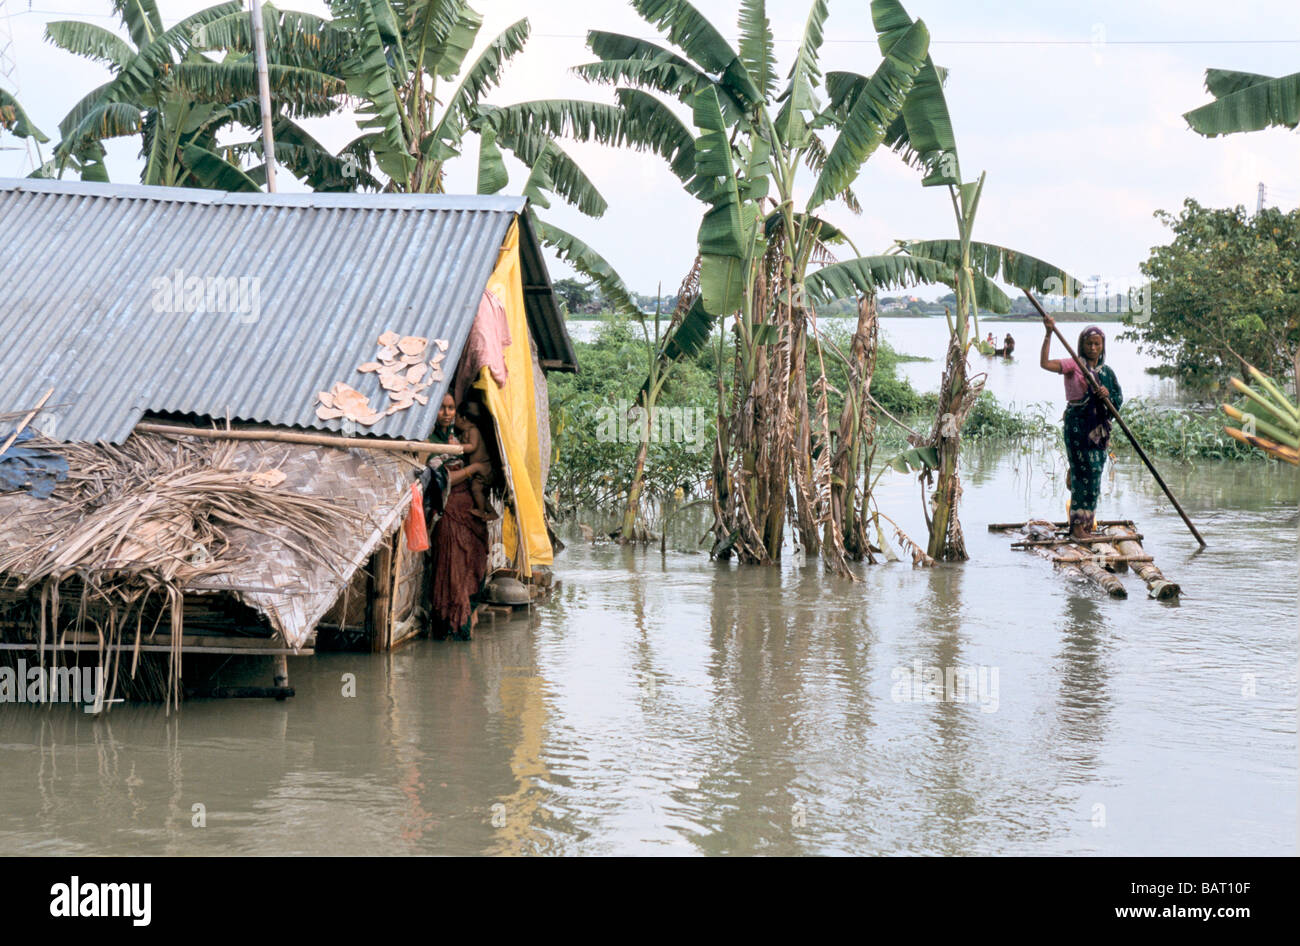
[(417, 535)]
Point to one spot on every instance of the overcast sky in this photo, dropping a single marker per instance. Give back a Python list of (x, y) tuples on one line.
[(1073, 109)]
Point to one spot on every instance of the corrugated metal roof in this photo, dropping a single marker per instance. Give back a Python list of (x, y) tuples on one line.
[(86, 271)]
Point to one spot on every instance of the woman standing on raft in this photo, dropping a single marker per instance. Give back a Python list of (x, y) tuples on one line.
[(1087, 422)]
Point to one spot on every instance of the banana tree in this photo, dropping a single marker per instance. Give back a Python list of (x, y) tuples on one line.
[(922, 133), (751, 135)]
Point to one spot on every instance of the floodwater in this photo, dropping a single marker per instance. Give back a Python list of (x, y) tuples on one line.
[(666, 704)]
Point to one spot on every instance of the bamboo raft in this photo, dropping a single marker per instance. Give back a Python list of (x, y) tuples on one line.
[(1099, 560)]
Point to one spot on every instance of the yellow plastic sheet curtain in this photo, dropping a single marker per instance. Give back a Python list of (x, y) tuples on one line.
[(515, 413)]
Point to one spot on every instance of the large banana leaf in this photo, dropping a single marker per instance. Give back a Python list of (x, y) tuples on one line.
[(869, 274), (657, 127), (757, 48), (799, 99), (691, 334), (722, 236), (91, 41), (370, 79), (998, 262), (292, 38), (925, 136), (701, 41), (142, 20), (1246, 102), (308, 160), (492, 174), (212, 171), (639, 121), (877, 105), (142, 74), (565, 177), (645, 65), (826, 233), (106, 120), (483, 75), (440, 34), (304, 91), (540, 183), (588, 262)]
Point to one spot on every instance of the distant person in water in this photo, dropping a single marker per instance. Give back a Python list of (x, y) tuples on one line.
[(1087, 422), (990, 341), (1008, 346)]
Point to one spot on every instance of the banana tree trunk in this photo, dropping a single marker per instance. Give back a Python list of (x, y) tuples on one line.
[(856, 432), (634, 490), (956, 396)]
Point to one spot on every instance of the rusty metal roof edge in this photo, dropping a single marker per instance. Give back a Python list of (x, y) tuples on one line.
[(493, 203)]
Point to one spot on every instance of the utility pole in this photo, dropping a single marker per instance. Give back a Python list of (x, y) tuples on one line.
[(1259, 200), (263, 93)]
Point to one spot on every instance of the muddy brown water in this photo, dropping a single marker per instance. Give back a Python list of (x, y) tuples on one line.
[(663, 703)]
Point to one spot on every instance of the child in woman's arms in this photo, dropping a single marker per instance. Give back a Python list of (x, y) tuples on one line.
[(468, 434)]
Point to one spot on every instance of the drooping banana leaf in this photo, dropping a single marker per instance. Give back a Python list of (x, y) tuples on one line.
[(15, 121), (483, 75), (90, 41), (1246, 102), (588, 262), (492, 174), (869, 274), (925, 136), (998, 262)]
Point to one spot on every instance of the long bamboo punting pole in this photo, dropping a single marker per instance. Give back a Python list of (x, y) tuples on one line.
[(317, 440), (1096, 390)]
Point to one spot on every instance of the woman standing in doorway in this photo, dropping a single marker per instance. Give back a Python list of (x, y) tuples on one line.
[(459, 542), (1087, 421)]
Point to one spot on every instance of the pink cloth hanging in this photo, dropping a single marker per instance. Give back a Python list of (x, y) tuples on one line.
[(488, 338)]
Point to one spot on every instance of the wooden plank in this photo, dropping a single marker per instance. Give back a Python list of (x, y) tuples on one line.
[(381, 603)]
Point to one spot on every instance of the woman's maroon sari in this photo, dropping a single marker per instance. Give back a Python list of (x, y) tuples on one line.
[(459, 560)]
